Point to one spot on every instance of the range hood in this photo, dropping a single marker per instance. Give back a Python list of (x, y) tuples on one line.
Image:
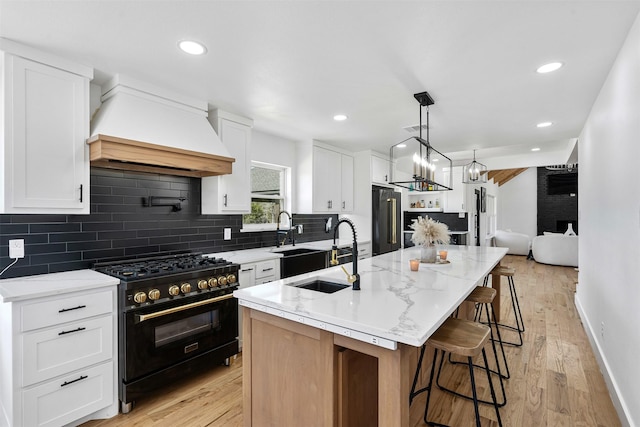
[(143, 128)]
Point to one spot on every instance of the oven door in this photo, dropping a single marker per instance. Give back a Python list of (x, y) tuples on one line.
[(160, 336)]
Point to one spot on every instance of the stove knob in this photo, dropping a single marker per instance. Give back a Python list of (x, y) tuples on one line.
[(185, 288), (213, 282), (174, 290), (154, 294), (222, 280), (231, 278), (202, 284), (140, 297)]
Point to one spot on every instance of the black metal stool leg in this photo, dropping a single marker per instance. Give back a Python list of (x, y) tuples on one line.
[(517, 305), (430, 386), (493, 393), (414, 393)]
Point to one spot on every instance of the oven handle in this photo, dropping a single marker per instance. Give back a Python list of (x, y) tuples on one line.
[(143, 317)]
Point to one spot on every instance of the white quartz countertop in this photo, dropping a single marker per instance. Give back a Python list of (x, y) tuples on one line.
[(246, 256), (394, 304), (44, 285)]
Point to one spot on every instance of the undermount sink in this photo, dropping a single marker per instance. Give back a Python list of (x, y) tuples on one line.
[(320, 285)]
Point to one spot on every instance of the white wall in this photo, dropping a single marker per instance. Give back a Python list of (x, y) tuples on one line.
[(608, 292), (518, 204)]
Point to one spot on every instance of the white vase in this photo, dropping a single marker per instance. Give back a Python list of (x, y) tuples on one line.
[(428, 253)]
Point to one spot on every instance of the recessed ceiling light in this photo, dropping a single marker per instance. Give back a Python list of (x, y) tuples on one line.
[(401, 145), (547, 68), (191, 47), (339, 117), (535, 149), (544, 124)]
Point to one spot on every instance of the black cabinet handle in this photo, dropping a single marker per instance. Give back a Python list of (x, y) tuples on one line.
[(247, 269), (73, 308), (225, 200), (82, 377), (70, 332), (267, 269), (80, 193)]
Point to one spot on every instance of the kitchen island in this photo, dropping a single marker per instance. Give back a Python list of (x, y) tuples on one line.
[(312, 358)]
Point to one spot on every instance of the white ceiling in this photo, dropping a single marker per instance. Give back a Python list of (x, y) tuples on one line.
[(292, 65)]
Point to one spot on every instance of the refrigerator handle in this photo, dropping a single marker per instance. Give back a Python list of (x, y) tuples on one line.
[(393, 237)]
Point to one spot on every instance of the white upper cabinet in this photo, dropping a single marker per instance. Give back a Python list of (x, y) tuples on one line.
[(45, 125), (346, 183), (380, 170), (231, 193), (456, 199), (328, 172)]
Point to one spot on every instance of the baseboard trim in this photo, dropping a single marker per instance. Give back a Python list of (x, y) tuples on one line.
[(612, 386)]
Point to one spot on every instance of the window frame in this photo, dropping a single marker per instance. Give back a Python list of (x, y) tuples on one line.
[(285, 176)]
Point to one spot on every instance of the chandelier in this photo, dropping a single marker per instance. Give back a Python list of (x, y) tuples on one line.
[(417, 165), (474, 172)]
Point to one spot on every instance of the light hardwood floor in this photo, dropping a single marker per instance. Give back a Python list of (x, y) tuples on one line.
[(555, 378)]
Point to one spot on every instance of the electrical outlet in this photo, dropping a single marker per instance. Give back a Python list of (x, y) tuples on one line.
[(16, 248), (227, 234)]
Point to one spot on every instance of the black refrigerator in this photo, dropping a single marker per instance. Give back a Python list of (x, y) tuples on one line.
[(387, 232)]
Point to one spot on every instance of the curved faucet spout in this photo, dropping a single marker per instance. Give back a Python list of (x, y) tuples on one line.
[(293, 238), (355, 277)]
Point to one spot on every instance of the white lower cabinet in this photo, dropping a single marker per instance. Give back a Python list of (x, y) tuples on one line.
[(70, 397), (59, 350), (59, 358), (257, 273)]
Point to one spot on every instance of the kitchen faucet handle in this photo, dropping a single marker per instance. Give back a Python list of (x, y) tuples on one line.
[(350, 277)]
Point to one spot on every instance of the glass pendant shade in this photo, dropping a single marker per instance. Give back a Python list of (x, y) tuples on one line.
[(474, 172), (416, 164)]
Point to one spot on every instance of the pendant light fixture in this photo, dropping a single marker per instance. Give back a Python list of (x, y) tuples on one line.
[(416, 165), (474, 172)]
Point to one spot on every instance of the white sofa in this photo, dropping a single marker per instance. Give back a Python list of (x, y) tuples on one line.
[(517, 243), (556, 249)]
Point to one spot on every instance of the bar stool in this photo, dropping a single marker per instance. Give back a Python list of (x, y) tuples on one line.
[(508, 272), (463, 338), (483, 296)]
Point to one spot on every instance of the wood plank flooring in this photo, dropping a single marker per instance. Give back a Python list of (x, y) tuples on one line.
[(555, 379)]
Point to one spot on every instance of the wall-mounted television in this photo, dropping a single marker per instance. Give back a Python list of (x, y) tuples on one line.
[(562, 183)]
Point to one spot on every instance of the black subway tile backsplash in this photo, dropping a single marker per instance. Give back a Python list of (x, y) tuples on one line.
[(119, 226)]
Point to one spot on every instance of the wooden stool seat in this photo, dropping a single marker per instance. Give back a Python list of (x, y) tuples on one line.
[(462, 337), (482, 295), (503, 270), (509, 272)]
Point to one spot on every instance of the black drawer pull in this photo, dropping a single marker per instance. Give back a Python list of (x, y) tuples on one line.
[(68, 332), (82, 377), (267, 269), (73, 308), (247, 269)]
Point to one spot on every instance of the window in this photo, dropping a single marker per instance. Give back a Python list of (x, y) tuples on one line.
[(268, 197)]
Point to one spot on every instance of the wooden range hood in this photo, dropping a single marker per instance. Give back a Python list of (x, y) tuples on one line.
[(126, 154), (143, 128)]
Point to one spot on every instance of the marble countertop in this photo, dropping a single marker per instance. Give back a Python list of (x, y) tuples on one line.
[(394, 304), (246, 256), (44, 285)]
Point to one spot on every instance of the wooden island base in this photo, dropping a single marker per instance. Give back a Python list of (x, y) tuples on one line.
[(294, 375)]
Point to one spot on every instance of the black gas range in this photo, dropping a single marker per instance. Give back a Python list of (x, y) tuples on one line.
[(177, 316)]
